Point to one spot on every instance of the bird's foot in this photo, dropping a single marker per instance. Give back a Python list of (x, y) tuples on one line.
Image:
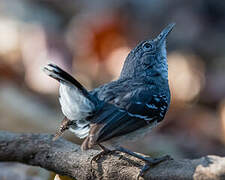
[(105, 151), (148, 160), (151, 162)]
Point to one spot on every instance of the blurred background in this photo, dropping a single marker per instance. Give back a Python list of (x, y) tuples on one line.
[(90, 39)]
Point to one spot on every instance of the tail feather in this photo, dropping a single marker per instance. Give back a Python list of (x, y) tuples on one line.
[(77, 103), (60, 75), (57, 73)]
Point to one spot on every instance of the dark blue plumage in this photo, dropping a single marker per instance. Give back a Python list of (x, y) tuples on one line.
[(138, 99), (129, 106)]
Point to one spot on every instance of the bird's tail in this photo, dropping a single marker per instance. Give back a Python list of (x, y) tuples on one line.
[(77, 103), (60, 75)]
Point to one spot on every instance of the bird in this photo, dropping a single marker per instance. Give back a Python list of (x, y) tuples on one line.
[(123, 109)]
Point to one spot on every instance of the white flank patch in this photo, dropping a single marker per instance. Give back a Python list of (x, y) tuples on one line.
[(75, 107), (80, 132)]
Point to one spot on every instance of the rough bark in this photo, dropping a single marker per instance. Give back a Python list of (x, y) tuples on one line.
[(65, 158)]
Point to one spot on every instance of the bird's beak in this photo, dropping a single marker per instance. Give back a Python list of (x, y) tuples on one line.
[(162, 36)]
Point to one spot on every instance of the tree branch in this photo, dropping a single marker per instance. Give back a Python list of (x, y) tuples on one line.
[(65, 158)]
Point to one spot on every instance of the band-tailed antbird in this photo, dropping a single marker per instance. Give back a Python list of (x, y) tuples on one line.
[(123, 109)]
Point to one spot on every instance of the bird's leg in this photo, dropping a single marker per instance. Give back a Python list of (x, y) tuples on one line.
[(105, 151), (65, 124), (148, 160)]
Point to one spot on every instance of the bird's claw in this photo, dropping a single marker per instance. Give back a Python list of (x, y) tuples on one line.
[(99, 155), (143, 170), (151, 162)]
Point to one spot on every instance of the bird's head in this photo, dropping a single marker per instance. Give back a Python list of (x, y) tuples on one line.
[(148, 58)]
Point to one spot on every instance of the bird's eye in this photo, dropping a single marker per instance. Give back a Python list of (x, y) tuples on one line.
[(147, 46)]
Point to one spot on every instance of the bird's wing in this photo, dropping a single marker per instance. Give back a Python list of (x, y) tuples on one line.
[(118, 92), (111, 121)]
